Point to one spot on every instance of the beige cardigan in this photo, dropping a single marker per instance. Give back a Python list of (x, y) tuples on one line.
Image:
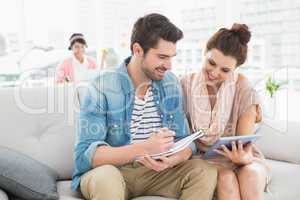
[(245, 97)]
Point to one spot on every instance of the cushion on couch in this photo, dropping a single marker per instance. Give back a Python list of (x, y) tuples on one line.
[(285, 182), (39, 122), (280, 141), (25, 177)]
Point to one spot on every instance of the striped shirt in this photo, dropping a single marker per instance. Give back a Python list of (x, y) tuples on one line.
[(145, 118)]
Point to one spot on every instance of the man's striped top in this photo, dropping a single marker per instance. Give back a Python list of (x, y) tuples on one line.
[(145, 117)]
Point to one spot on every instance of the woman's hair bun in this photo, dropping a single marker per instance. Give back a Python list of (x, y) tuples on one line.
[(242, 31)]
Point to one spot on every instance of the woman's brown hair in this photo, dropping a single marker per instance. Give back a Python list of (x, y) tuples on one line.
[(231, 42)]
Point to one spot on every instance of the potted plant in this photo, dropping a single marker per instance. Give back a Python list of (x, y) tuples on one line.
[(271, 102), (272, 86)]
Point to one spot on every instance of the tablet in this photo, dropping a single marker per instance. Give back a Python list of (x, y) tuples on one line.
[(227, 142)]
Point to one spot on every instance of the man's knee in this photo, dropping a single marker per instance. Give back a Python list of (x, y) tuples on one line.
[(102, 181), (202, 169), (200, 177), (199, 165)]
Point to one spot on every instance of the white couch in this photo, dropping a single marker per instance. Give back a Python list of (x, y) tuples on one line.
[(40, 123)]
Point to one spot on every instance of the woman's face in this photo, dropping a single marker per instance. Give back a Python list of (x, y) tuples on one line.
[(218, 67), (78, 49)]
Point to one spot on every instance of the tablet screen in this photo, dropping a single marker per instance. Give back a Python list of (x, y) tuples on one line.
[(227, 142)]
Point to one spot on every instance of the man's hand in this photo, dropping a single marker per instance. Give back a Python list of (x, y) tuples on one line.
[(166, 162), (238, 155), (158, 142)]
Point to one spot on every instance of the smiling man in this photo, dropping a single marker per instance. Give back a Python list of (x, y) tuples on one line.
[(131, 113)]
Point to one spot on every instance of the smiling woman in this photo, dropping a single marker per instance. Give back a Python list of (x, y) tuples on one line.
[(221, 101)]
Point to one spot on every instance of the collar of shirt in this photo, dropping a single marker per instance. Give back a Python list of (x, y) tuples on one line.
[(76, 61), (146, 97)]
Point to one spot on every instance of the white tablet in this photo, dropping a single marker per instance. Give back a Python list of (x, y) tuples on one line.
[(227, 142)]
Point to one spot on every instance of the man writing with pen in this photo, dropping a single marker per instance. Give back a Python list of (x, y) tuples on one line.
[(133, 112)]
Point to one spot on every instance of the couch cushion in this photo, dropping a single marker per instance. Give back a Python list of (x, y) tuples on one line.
[(3, 195), (280, 141), (65, 192), (39, 122), (25, 177), (285, 182)]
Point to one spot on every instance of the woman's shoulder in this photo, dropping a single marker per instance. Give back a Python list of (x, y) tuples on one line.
[(243, 82), (68, 59), (246, 95), (188, 78), (245, 92), (66, 62)]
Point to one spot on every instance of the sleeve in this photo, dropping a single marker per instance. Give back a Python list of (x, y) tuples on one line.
[(181, 118), (91, 128), (248, 96), (185, 81), (60, 74), (92, 63)]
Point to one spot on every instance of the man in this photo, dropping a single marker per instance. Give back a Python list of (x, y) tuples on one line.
[(131, 113)]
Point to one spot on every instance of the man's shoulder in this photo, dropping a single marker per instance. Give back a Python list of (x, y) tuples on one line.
[(171, 84)]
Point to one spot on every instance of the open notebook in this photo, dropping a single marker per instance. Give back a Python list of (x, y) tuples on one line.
[(180, 144)]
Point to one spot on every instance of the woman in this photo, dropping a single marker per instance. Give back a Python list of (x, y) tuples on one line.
[(221, 101), (77, 67)]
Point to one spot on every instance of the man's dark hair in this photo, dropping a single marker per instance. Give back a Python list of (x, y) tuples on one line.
[(149, 29)]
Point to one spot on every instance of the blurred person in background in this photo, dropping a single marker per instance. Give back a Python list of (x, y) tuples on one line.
[(77, 67)]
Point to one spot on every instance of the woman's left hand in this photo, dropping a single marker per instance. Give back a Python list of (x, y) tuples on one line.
[(239, 155)]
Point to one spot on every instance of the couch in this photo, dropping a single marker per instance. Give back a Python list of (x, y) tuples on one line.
[(39, 122)]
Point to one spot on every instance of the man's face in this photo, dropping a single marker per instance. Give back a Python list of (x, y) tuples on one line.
[(158, 60)]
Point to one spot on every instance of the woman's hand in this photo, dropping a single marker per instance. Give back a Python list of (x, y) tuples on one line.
[(239, 155)]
